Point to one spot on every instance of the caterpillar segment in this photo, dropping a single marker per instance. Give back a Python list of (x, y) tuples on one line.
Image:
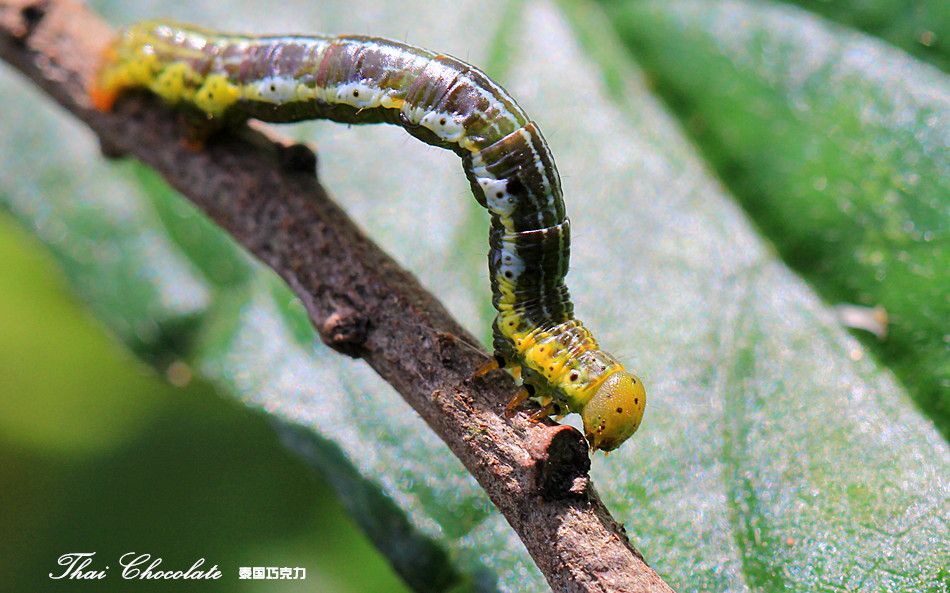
[(222, 80)]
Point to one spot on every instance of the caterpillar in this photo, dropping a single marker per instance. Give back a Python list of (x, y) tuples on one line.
[(222, 80)]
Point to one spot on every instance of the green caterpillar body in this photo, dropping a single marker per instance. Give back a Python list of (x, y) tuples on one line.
[(444, 102)]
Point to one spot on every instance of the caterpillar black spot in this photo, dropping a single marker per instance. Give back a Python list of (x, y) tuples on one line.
[(226, 79)]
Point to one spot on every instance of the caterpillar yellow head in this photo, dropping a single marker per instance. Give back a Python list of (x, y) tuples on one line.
[(613, 414)]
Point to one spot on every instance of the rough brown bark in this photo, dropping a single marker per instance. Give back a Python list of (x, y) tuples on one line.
[(266, 195)]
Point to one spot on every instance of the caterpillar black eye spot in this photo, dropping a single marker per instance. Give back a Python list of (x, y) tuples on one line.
[(574, 376), (356, 93), (500, 195), (620, 410), (442, 122), (273, 88)]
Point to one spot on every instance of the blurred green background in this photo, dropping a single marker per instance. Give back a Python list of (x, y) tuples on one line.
[(100, 454)]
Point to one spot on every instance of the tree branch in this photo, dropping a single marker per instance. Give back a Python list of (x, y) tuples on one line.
[(266, 195)]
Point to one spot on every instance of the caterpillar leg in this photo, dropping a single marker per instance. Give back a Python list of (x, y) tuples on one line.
[(494, 364), (550, 408), (102, 99), (198, 130), (546, 410), (523, 394)]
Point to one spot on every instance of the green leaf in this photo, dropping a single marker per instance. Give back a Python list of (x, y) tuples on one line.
[(776, 453), (921, 28), (836, 144)]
